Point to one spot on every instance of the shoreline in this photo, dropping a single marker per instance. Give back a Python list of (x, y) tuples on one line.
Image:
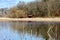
[(31, 19)]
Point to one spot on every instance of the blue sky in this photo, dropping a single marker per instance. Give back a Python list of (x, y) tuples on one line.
[(10, 3)]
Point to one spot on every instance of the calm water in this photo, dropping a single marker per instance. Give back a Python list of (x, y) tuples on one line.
[(21, 31)]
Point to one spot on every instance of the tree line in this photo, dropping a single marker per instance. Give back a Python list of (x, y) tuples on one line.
[(45, 8)]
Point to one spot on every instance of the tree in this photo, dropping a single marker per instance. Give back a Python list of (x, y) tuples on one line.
[(16, 13), (21, 5), (38, 9)]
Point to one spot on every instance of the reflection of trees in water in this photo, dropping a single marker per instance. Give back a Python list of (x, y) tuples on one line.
[(41, 28), (37, 28), (18, 25)]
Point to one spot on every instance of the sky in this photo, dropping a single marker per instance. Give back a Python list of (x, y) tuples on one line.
[(10, 3)]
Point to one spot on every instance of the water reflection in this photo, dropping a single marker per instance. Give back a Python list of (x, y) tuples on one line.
[(39, 29), (17, 31)]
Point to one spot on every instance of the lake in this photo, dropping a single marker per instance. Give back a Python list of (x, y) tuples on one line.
[(18, 30)]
